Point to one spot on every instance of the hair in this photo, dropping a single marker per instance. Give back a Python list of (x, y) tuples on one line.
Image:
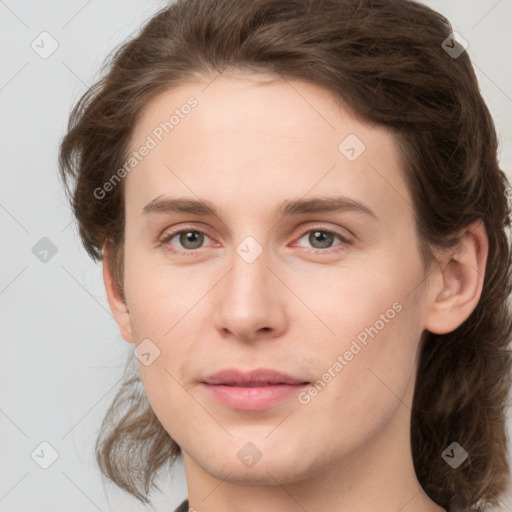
[(385, 59)]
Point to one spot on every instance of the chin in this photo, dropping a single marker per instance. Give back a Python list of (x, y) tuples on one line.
[(275, 467)]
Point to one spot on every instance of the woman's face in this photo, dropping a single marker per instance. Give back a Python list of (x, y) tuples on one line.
[(333, 298)]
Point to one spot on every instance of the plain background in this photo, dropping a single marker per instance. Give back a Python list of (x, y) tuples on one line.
[(61, 352)]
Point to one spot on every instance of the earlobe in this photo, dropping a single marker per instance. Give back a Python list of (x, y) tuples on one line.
[(115, 299), (463, 271)]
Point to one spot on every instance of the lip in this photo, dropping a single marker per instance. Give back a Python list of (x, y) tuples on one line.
[(251, 391), (234, 376)]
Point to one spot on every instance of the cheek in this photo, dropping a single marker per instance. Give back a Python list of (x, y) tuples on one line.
[(350, 300), (159, 295), (164, 308), (373, 324)]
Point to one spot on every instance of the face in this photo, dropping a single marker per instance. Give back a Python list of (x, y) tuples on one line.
[(332, 297)]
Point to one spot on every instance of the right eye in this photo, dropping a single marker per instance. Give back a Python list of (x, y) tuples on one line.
[(190, 240)]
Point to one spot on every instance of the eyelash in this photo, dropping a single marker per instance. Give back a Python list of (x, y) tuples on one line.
[(169, 236)]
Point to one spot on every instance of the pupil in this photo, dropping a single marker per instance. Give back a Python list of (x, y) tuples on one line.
[(191, 239), (325, 239)]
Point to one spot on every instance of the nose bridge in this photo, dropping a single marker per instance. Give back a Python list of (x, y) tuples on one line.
[(249, 275), (248, 301)]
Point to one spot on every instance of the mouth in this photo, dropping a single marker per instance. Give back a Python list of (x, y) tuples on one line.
[(251, 391), (257, 384)]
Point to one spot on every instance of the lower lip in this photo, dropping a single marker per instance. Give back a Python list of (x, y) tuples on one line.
[(252, 398)]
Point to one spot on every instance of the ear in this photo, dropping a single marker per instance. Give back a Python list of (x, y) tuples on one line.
[(456, 295), (115, 299)]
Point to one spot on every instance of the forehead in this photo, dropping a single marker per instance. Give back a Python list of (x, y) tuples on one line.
[(248, 138)]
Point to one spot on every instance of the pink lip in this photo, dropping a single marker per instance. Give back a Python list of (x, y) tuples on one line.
[(251, 391)]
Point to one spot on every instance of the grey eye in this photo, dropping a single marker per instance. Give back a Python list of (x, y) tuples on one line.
[(190, 239), (319, 238)]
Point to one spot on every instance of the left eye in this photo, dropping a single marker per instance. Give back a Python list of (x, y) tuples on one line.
[(322, 238)]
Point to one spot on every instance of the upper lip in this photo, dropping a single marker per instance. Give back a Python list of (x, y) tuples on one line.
[(257, 376)]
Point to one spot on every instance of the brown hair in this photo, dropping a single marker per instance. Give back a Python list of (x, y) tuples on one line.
[(384, 58)]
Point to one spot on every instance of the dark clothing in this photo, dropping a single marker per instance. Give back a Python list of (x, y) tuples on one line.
[(183, 507)]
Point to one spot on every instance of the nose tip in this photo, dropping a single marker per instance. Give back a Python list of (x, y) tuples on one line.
[(249, 306)]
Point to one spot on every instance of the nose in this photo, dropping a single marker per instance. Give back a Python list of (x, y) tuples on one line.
[(250, 301)]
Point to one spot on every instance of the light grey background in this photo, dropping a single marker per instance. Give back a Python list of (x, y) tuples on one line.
[(61, 352)]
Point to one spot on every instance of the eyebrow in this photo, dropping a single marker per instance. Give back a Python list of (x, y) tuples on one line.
[(288, 208)]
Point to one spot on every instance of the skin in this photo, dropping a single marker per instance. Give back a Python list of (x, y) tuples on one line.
[(248, 147)]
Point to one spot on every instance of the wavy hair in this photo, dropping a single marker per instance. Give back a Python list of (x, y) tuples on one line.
[(388, 60)]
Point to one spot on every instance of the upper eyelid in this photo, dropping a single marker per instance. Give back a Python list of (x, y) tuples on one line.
[(336, 231)]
